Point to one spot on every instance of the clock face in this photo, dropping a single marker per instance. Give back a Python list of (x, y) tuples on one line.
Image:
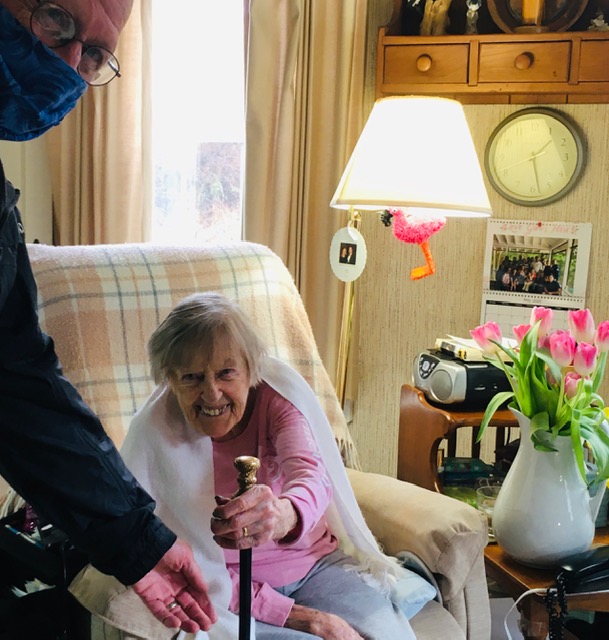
[(534, 157)]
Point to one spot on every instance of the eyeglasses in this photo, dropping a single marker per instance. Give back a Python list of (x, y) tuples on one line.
[(55, 27)]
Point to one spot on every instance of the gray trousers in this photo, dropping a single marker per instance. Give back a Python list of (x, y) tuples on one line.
[(329, 587)]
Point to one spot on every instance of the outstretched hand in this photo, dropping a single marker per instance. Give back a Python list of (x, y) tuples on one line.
[(176, 593), (252, 518)]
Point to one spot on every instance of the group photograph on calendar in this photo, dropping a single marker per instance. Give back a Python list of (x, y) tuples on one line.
[(540, 265), (529, 263), (535, 258)]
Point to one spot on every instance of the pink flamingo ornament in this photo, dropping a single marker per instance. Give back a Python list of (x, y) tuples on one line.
[(415, 230)]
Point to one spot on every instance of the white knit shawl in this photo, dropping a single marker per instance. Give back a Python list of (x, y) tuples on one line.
[(174, 463)]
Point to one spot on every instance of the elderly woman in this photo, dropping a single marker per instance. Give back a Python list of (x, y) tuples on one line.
[(316, 570)]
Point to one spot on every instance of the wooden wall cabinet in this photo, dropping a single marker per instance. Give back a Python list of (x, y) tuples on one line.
[(566, 67)]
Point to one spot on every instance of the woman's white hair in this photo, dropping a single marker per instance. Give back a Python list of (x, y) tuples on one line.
[(194, 325)]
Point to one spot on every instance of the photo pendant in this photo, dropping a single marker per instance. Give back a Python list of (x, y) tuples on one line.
[(348, 254)]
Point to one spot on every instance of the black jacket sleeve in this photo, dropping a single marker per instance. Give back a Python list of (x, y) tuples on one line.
[(53, 449)]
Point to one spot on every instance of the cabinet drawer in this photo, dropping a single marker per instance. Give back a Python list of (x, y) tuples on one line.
[(594, 63), (524, 62), (424, 64)]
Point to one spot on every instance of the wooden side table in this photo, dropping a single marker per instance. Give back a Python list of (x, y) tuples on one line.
[(423, 426), (515, 579)]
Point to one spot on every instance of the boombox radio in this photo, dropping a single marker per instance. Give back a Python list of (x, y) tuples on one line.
[(446, 379)]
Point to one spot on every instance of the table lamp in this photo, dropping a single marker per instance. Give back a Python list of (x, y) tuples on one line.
[(415, 153)]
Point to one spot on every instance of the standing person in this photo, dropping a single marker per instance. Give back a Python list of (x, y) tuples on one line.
[(555, 269), (54, 451)]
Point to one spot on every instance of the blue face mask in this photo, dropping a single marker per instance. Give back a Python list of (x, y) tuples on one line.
[(37, 88)]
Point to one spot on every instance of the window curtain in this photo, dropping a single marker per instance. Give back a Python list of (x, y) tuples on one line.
[(99, 155), (304, 102)]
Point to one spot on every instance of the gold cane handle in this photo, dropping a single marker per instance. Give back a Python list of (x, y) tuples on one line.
[(247, 466)]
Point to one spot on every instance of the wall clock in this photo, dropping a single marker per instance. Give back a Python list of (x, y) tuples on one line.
[(535, 156)]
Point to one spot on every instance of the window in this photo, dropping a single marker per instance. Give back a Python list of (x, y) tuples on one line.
[(197, 120)]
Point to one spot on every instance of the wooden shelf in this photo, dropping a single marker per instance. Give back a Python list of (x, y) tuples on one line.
[(423, 426), (566, 67)]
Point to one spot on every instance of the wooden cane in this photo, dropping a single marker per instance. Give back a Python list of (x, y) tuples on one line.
[(247, 467)]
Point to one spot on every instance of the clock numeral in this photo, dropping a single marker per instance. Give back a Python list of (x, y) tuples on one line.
[(566, 157), (563, 142)]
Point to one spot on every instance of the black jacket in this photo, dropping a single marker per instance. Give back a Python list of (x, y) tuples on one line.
[(53, 449)]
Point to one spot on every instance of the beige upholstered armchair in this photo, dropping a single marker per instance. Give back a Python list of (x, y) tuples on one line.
[(101, 304)]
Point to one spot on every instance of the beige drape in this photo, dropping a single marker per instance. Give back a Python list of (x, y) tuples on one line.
[(305, 77), (99, 169)]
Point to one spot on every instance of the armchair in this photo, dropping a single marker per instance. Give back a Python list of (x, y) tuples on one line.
[(101, 303)]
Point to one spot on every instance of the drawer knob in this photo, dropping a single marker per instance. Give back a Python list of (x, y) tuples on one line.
[(524, 61), (424, 62)]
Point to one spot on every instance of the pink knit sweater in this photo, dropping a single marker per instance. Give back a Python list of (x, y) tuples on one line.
[(279, 435)]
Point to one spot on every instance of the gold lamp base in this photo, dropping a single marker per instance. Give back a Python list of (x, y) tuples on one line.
[(346, 323)]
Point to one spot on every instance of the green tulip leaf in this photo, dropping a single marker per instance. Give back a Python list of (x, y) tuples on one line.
[(491, 409)]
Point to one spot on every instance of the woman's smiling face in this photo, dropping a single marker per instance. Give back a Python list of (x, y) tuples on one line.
[(213, 390)]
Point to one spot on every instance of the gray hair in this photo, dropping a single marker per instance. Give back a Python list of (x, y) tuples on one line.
[(193, 326)]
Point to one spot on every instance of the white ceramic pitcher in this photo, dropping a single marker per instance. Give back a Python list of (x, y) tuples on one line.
[(544, 512)]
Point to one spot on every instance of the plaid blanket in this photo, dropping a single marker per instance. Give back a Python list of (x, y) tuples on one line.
[(101, 303)]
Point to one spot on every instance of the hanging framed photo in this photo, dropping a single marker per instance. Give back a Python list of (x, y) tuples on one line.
[(348, 254)]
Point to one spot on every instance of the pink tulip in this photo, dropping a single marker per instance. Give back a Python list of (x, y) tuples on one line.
[(571, 381), (483, 335), (520, 331), (584, 360), (581, 324), (545, 315), (562, 348), (602, 336)]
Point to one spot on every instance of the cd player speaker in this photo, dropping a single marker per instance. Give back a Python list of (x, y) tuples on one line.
[(441, 385)]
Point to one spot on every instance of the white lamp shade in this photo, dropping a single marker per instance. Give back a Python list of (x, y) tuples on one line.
[(415, 152)]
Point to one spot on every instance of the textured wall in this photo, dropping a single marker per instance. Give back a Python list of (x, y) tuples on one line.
[(397, 317)]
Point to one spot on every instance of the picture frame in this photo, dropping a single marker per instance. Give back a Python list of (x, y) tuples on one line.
[(519, 245)]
